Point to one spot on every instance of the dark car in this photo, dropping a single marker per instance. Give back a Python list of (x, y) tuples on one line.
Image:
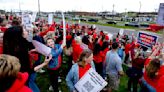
[(144, 25), (83, 19), (111, 22), (93, 20), (134, 24)]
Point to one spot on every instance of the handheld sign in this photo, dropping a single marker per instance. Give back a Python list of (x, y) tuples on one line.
[(64, 27), (146, 39), (110, 36), (41, 48), (50, 18), (90, 82), (121, 32), (33, 16), (26, 21)]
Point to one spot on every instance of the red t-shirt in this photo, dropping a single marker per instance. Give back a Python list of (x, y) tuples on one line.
[(154, 82), (77, 50), (83, 70), (127, 48), (98, 58), (3, 29), (160, 85)]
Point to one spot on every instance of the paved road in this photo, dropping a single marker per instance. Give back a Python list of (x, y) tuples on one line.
[(114, 31)]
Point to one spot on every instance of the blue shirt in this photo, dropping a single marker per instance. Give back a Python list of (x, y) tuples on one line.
[(55, 52), (113, 63)]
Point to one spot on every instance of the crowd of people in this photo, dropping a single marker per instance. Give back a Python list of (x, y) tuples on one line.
[(84, 47)]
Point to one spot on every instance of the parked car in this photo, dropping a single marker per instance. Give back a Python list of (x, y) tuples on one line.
[(144, 25), (83, 19), (111, 22), (93, 20), (76, 19), (134, 24)]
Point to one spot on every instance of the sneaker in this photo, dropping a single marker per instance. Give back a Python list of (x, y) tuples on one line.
[(59, 80), (41, 71), (51, 88)]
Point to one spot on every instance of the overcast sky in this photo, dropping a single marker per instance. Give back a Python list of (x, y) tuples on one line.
[(82, 5)]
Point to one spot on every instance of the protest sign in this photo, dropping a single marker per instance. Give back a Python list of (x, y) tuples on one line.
[(90, 82), (110, 36), (50, 18), (41, 48), (146, 39), (33, 16), (121, 32), (64, 27), (26, 21)]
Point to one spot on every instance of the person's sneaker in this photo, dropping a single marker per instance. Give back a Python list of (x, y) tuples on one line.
[(50, 88), (59, 79), (41, 71)]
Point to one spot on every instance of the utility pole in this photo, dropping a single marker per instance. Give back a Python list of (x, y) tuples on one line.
[(140, 5), (39, 7), (113, 12)]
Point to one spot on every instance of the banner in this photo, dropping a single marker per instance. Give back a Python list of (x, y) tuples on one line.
[(90, 82), (146, 39), (160, 18)]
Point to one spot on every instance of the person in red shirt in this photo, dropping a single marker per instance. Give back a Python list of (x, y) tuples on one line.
[(98, 58), (77, 49), (127, 52), (79, 69), (11, 80)]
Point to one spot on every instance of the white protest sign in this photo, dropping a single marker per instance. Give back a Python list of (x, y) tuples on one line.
[(50, 18), (64, 27), (160, 18), (33, 16), (41, 48), (26, 21), (110, 36), (121, 32), (90, 82)]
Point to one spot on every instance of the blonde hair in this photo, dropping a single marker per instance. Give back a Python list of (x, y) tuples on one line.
[(9, 68)]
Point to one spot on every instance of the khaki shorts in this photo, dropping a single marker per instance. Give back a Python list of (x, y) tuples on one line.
[(113, 81)]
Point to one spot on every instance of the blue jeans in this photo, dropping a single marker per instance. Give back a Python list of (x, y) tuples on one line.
[(32, 84)]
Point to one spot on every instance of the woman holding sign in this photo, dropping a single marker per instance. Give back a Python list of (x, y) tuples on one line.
[(79, 69)]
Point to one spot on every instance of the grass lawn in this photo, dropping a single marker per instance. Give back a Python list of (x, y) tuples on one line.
[(43, 80)]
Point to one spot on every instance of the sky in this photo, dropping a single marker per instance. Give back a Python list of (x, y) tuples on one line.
[(82, 5)]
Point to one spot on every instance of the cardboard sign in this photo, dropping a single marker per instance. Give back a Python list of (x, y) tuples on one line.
[(50, 18), (146, 39), (33, 16), (121, 32), (41, 48), (90, 82), (160, 18), (110, 36), (26, 21), (64, 27)]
